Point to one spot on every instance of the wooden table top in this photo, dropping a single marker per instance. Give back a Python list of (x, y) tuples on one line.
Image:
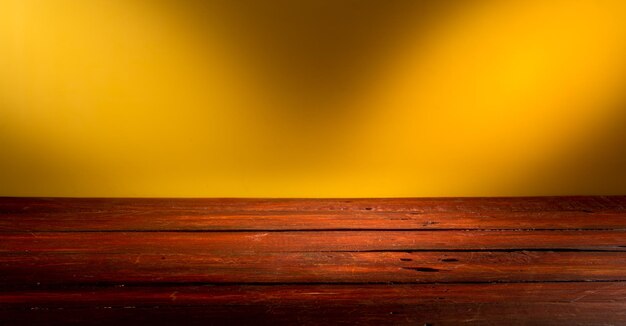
[(427, 261)]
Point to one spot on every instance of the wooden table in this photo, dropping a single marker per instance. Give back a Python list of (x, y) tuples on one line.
[(446, 261)]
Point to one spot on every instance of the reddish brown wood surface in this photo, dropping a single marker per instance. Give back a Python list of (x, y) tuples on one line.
[(59, 214), (447, 261), (441, 304)]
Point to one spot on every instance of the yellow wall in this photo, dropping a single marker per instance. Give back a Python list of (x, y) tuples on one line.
[(312, 98)]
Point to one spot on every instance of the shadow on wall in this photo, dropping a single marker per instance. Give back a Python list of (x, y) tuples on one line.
[(314, 54), (589, 167)]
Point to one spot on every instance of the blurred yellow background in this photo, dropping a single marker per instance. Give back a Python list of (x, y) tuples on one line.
[(312, 98)]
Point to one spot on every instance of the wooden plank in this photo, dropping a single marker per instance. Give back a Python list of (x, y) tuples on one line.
[(487, 304), (366, 294), (59, 214), (435, 314), (507, 204), (309, 221), (233, 242), (146, 266)]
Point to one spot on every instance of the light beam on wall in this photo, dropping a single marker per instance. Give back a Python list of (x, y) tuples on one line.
[(312, 98)]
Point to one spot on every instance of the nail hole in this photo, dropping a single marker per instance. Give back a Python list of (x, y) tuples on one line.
[(449, 259), (422, 269)]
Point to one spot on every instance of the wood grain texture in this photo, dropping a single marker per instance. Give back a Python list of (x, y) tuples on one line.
[(383, 267), (451, 304), (445, 261), (87, 214)]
